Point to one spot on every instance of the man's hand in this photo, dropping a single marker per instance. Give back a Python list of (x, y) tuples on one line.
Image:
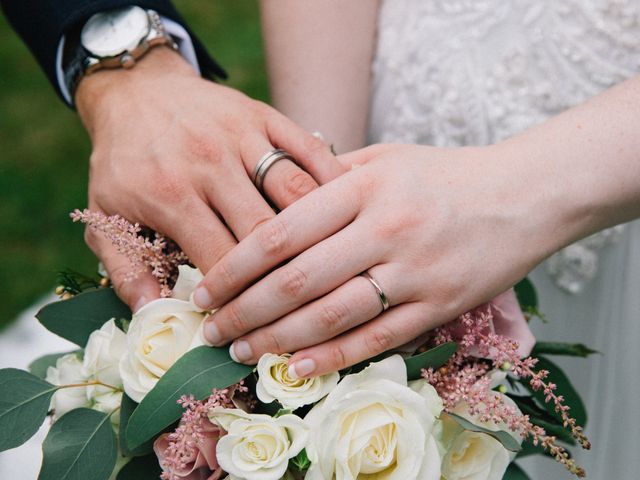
[(174, 152)]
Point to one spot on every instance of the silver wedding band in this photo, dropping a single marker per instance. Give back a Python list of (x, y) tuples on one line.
[(265, 163), (383, 298)]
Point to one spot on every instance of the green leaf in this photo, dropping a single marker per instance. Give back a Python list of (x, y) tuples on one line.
[(127, 407), (141, 468), (196, 373), (564, 387), (76, 318), (527, 296), (561, 348), (79, 446), (434, 358), (24, 403), (301, 461), (514, 472), (40, 365), (503, 437)]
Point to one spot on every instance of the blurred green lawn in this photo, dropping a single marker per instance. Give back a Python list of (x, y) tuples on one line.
[(44, 151)]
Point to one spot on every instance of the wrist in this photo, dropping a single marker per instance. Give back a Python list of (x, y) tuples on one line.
[(99, 90)]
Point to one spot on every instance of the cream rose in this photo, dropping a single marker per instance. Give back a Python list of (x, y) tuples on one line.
[(472, 455), (159, 334), (373, 423), (274, 383), (257, 447), (68, 371)]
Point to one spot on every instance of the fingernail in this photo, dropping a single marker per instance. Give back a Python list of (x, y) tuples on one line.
[(240, 351), (140, 303), (202, 297), (302, 368), (212, 333)]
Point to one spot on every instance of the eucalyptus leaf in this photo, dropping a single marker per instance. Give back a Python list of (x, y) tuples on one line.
[(561, 348), (526, 293), (79, 446), (141, 468), (503, 437), (514, 472), (75, 319), (127, 407), (432, 358), (196, 373), (40, 365), (563, 387), (24, 403)]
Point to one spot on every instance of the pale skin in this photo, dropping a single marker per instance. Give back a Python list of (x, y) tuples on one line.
[(442, 230), (174, 152)]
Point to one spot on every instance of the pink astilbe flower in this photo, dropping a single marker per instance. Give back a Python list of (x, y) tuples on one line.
[(189, 453), (465, 378), (160, 255)]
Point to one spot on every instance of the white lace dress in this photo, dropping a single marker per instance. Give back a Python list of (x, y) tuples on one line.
[(473, 72)]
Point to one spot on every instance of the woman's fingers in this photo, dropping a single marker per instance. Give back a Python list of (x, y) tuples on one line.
[(346, 307), (392, 329), (310, 220), (310, 275), (134, 288), (364, 155)]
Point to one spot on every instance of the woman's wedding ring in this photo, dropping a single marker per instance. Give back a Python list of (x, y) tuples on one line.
[(265, 163), (383, 298)]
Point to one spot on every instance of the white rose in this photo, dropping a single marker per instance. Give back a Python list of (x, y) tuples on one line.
[(188, 279), (372, 423), (159, 334), (68, 371), (274, 383), (257, 447), (473, 455), (102, 355)]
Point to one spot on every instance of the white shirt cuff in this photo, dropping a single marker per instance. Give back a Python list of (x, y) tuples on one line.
[(173, 28)]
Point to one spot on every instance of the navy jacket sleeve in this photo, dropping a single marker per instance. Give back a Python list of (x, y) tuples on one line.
[(42, 23)]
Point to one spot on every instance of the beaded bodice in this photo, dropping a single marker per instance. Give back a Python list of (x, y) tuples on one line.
[(474, 72)]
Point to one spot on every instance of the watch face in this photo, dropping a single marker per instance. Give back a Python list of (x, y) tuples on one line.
[(114, 32)]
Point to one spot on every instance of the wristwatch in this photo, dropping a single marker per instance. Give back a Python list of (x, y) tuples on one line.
[(114, 39)]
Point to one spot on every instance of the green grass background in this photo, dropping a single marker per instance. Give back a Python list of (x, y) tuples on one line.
[(44, 151)]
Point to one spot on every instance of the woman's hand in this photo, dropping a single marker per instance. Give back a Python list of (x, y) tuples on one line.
[(440, 230)]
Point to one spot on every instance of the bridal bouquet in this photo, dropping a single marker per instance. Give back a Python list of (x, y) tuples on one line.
[(144, 396)]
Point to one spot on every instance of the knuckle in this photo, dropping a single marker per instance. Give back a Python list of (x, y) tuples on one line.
[(272, 343), (298, 183), (226, 274), (91, 239), (333, 317), (273, 237), (337, 357), (259, 222), (237, 319), (292, 282), (170, 187), (379, 340)]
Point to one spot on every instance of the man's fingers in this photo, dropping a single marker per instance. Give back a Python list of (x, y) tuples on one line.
[(310, 220), (134, 288), (310, 152), (198, 232), (238, 201), (392, 329)]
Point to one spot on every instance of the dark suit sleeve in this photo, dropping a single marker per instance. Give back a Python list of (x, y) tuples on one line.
[(42, 23)]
